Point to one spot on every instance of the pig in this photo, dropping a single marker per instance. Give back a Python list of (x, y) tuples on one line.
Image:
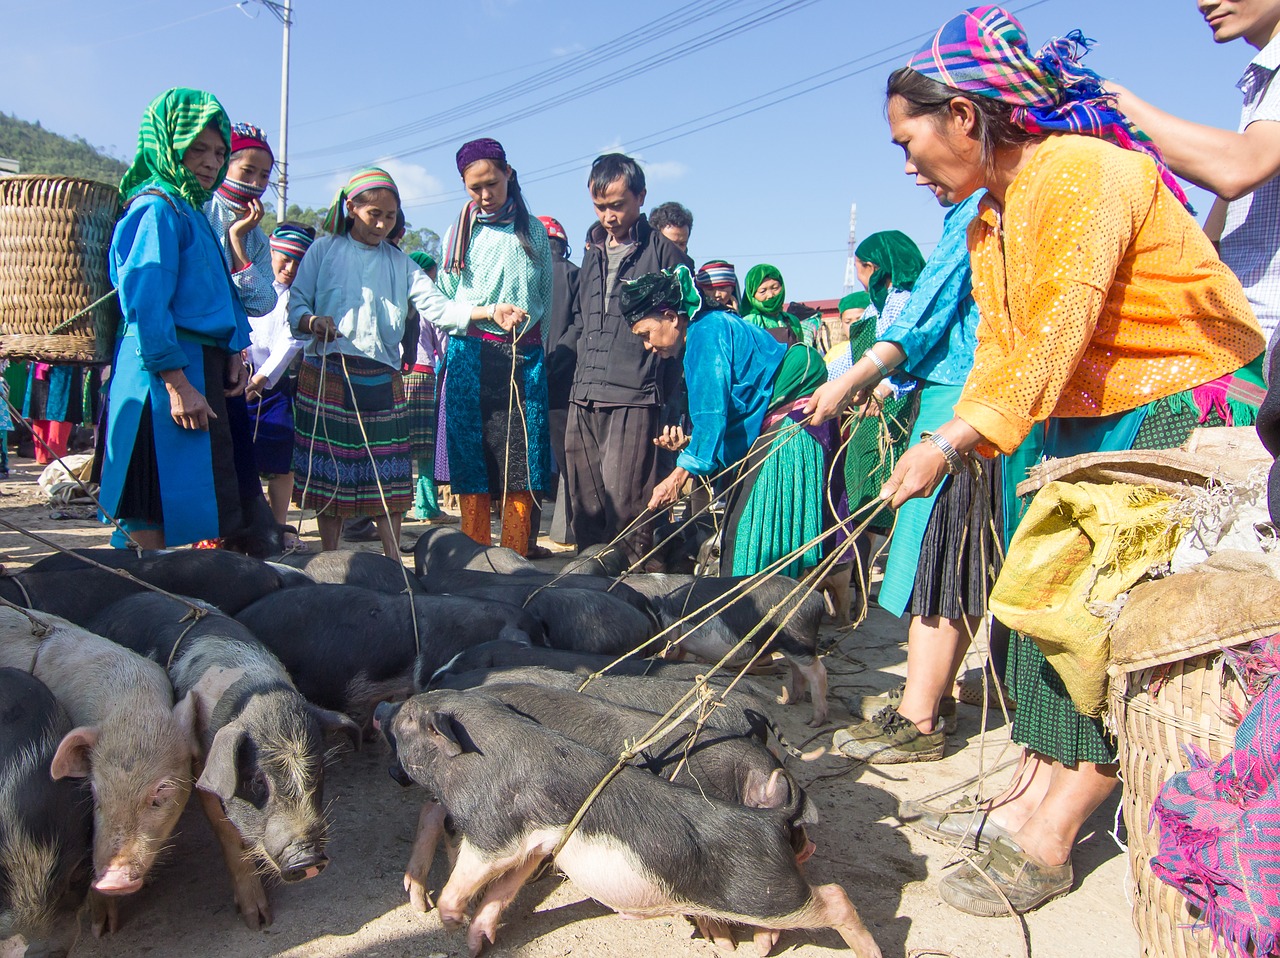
[(468, 581), (732, 610), (228, 580), (731, 767), (45, 825), (369, 570), (729, 864), (130, 741), (262, 745), (440, 550), (348, 648)]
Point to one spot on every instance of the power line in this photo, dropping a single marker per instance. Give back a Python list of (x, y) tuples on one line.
[(704, 41)]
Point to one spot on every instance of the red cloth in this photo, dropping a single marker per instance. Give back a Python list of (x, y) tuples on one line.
[(55, 435)]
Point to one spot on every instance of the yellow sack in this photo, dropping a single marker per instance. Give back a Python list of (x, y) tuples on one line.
[(1079, 547)]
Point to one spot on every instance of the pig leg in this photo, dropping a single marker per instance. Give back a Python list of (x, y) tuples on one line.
[(815, 676), (766, 940), (251, 897), (836, 911), (425, 841), (471, 873), (497, 898), (104, 913), (715, 930)]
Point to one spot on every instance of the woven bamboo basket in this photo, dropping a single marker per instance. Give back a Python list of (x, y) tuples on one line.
[(1157, 712), (55, 233)]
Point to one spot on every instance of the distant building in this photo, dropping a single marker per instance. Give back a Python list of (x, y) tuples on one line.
[(8, 167)]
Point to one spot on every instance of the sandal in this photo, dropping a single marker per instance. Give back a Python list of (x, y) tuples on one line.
[(1026, 883), (969, 691), (296, 545)]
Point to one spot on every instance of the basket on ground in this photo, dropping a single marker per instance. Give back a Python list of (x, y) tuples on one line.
[(55, 233), (1157, 711)]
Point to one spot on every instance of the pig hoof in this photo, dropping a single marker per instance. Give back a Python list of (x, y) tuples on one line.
[(719, 932), (419, 896), (451, 915), (253, 906), (785, 696), (482, 933), (104, 914), (766, 940)]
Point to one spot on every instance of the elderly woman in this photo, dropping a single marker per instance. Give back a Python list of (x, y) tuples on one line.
[(764, 293), (1106, 315), (745, 390), (495, 396), (167, 465)]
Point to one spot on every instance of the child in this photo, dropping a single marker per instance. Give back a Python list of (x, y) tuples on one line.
[(351, 296)]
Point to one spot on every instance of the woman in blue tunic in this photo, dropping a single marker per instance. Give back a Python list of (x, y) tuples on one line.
[(167, 466)]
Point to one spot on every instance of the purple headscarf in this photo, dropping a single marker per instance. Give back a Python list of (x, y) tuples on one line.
[(482, 149)]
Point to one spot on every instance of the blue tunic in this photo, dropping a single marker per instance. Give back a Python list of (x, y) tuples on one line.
[(176, 298), (729, 368)]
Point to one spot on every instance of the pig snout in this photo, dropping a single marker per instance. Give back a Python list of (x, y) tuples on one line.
[(301, 863), (384, 714), (119, 878)]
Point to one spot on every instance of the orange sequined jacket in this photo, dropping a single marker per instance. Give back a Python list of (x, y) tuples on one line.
[(1098, 293)]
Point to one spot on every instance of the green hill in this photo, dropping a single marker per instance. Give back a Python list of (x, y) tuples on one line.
[(40, 151)]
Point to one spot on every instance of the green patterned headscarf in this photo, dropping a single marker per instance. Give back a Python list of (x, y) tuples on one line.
[(898, 262), (653, 292), (768, 313), (171, 123)]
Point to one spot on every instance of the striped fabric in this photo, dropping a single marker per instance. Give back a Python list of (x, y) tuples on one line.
[(985, 51), (237, 193), (332, 469), (370, 178), (291, 242), (718, 273), (171, 123)]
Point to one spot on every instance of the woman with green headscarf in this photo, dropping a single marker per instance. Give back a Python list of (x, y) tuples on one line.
[(744, 391), (888, 264), (764, 294), (167, 466)]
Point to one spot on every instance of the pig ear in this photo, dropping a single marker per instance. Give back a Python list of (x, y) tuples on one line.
[(334, 724), (73, 757), (219, 774), (186, 714), (440, 731), (761, 791)]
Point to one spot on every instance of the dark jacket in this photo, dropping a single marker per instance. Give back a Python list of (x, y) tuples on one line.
[(561, 341), (613, 366)]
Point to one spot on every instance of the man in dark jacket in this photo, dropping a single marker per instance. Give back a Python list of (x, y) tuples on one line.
[(619, 389), (561, 359)]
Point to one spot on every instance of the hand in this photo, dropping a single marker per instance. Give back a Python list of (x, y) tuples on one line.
[(826, 402), (246, 221), (237, 375), (256, 387), (917, 474), (508, 316), (188, 407), (323, 328), (667, 492), (673, 439)]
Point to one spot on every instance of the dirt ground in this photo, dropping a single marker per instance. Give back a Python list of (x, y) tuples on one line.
[(358, 908)]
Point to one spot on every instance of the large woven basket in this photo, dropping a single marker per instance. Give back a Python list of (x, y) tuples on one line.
[(55, 232), (1158, 711)]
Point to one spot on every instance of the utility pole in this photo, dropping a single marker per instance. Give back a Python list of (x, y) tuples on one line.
[(282, 11), (850, 266)]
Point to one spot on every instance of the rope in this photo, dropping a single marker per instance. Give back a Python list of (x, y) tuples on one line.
[(382, 495), (88, 309), (129, 540)]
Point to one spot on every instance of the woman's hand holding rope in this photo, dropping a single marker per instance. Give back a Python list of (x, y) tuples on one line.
[(924, 465), (323, 328), (508, 317), (667, 492)]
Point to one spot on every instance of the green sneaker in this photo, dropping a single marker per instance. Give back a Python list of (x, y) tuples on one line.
[(1026, 883), (868, 705), (889, 739)]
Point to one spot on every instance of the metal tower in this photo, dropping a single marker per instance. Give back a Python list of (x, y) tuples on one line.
[(850, 270)]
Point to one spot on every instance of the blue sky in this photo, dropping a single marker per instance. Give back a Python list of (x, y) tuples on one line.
[(413, 80)]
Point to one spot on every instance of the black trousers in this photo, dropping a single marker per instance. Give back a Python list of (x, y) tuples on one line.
[(612, 469)]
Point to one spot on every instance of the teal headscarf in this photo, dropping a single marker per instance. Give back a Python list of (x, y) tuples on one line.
[(898, 262), (858, 300), (423, 259), (768, 313), (170, 125)]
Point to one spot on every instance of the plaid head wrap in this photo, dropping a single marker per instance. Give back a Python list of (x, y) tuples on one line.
[(984, 51), (246, 136), (370, 178), (718, 273), (170, 125), (654, 292), (292, 240)]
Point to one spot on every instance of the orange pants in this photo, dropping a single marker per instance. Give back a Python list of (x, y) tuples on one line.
[(517, 519)]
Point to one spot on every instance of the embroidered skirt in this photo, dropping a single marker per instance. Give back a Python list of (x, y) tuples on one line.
[(334, 469), (420, 391)]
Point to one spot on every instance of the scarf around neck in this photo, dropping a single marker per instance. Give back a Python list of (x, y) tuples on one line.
[(170, 125), (237, 193), (455, 257)]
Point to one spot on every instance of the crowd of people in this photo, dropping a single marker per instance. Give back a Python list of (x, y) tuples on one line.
[(1072, 304)]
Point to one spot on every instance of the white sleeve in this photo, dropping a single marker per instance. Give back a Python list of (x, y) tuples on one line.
[(434, 307)]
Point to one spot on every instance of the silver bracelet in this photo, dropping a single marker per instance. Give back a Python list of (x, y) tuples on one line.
[(877, 362), (493, 311), (955, 461)]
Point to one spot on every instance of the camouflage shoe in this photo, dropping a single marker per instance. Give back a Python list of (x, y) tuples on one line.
[(889, 739), (1026, 883), (868, 705)]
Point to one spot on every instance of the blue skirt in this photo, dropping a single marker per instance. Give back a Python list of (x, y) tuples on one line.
[(272, 420)]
